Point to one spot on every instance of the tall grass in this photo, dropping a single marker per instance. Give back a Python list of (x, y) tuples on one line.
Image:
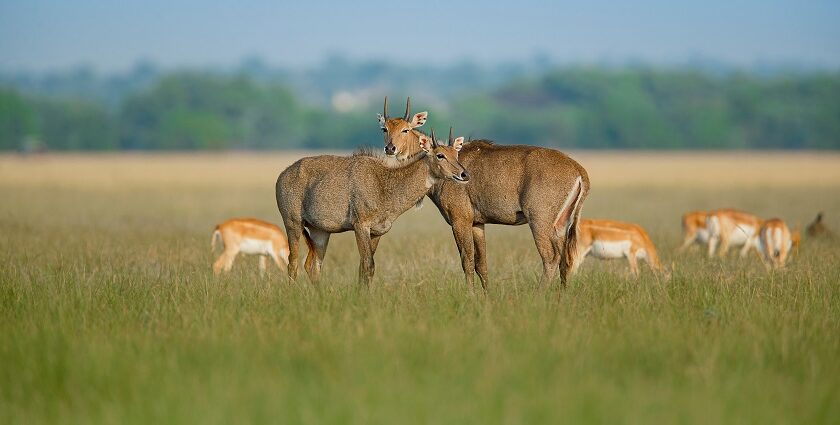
[(109, 312)]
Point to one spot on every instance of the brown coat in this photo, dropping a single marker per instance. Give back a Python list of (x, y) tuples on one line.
[(332, 194)]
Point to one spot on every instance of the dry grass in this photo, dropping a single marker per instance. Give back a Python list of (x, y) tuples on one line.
[(109, 313), (607, 169)]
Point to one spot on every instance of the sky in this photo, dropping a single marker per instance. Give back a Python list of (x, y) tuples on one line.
[(112, 35)]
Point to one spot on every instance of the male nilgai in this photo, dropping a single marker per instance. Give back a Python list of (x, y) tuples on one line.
[(321, 195), (511, 185)]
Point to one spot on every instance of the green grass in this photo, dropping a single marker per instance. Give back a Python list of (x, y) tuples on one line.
[(109, 314)]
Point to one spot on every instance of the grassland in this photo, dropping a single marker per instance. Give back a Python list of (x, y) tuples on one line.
[(109, 312)]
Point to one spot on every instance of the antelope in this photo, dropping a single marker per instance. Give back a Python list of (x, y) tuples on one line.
[(775, 242), (730, 227), (818, 229), (321, 195), (511, 185), (609, 239), (249, 236), (694, 229)]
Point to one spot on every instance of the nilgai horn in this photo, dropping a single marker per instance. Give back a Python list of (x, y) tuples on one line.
[(321, 195), (510, 185)]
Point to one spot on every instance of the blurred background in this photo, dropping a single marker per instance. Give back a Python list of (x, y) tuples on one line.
[(255, 75)]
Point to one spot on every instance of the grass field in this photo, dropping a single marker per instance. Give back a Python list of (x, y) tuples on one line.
[(109, 312)]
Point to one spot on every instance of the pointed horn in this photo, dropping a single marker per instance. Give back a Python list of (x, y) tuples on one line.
[(407, 108), (385, 108), (434, 139), (451, 139)]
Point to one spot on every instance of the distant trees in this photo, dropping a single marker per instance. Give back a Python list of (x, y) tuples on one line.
[(571, 108), (628, 109), (17, 120), (63, 125), (195, 111)]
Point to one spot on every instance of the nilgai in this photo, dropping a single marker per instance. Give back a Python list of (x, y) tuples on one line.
[(249, 236), (321, 195), (694, 229), (775, 242), (609, 239), (511, 185)]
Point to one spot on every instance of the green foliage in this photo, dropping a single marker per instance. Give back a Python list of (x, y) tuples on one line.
[(592, 108), (75, 126), (17, 120), (195, 111), (629, 109)]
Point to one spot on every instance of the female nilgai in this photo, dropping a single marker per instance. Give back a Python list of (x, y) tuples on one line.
[(321, 195)]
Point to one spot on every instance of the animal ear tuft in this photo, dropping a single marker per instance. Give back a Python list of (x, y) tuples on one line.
[(419, 119), (381, 119)]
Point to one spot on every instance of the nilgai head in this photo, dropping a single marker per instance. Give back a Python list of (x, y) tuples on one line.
[(443, 159), (400, 140)]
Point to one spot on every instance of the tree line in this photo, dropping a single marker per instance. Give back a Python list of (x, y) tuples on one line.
[(595, 108)]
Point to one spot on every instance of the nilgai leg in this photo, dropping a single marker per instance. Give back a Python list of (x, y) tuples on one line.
[(463, 233), (318, 241), (480, 254)]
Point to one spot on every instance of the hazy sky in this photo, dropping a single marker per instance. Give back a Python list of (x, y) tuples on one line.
[(114, 34)]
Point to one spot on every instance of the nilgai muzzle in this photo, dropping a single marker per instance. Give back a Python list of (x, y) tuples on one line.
[(510, 185), (326, 194)]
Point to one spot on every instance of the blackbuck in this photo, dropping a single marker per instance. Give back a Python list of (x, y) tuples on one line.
[(775, 243), (249, 236), (511, 185), (609, 239), (321, 195), (817, 229), (730, 227), (694, 229)]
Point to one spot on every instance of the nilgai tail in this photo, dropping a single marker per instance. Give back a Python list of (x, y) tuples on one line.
[(571, 216)]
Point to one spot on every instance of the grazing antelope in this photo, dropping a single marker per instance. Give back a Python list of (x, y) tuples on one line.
[(511, 185), (609, 239), (322, 195), (818, 229), (249, 236), (694, 229), (775, 242), (730, 227)]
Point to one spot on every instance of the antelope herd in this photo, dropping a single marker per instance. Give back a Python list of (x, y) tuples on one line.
[(472, 184)]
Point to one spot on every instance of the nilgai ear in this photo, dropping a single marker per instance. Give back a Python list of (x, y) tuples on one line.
[(458, 144), (419, 119), (426, 143), (381, 119)]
